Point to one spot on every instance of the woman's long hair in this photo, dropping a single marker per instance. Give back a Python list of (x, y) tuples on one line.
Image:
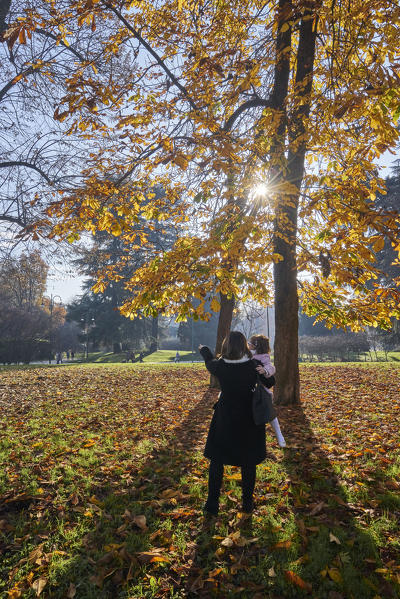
[(235, 346)]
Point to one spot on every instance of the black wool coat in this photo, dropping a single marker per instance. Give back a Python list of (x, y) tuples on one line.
[(233, 437)]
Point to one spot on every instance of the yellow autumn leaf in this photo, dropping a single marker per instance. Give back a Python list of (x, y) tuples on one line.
[(215, 305), (159, 558), (379, 244), (296, 580), (335, 575), (181, 160), (116, 229)]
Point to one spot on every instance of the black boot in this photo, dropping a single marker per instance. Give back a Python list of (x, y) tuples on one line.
[(215, 474), (248, 483), (211, 507)]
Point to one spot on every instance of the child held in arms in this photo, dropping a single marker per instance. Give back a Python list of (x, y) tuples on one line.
[(259, 346)]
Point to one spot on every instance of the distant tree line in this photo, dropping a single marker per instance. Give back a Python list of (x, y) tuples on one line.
[(32, 325)]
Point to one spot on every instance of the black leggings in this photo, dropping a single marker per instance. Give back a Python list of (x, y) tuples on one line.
[(215, 481)]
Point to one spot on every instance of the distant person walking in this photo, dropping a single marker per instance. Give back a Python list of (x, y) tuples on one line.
[(233, 438), (177, 357), (59, 357)]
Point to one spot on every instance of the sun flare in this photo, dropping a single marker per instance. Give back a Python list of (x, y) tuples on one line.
[(259, 191)]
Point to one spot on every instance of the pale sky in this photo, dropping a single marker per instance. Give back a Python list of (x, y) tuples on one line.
[(66, 286)]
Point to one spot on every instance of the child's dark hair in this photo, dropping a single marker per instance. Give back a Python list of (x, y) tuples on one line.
[(260, 343), (235, 346)]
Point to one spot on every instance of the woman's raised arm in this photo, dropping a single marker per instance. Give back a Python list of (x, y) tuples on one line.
[(210, 361)]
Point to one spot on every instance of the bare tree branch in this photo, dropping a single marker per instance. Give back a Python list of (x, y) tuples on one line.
[(57, 39), (16, 220), (154, 54), (14, 81), (27, 165), (256, 102)]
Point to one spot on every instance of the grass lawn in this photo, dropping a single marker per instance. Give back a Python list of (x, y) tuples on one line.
[(162, 355), (102, 482)]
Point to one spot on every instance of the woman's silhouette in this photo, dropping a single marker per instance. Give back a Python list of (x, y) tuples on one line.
[(233, 438)]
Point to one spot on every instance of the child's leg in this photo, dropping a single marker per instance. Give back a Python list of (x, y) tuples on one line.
[(215, 475), (277, 429), (248, 483)]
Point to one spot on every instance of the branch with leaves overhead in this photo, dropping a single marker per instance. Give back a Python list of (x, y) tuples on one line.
[(214, 98)]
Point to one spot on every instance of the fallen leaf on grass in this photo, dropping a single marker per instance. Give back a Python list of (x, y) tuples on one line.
[(145, 557), (15, 592), (317, 508), (71, 591), (282, 545), (296, 580), (164, 537), (93, 499), (334, 539), (159, 558), (335, 575), (140, 521), (214, 572), (39, 584), (304, 559), (36, 553)]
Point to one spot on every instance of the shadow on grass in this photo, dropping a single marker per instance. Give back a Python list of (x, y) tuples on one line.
[(176, 554), (309, 540), (341, 554), (109, 557)]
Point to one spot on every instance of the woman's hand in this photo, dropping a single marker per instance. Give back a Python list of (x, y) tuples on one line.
[(261, 370)]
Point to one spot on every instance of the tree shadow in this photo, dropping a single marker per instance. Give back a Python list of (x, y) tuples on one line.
[(120, 543), (326, 519), (326, 550)]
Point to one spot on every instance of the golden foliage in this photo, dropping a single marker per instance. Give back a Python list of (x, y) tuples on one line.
[(188, 109)]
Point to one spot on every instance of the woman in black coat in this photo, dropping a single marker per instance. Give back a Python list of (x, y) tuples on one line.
[(233, 437)]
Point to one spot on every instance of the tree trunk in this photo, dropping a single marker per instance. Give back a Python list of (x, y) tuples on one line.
[(4, 10), (224, 327), (224, 321), (287, 388), (154, 335), (286, 360)]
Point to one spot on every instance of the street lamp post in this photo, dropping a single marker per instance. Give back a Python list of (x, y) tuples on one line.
[(51, 307), (192, 337), (87, 323)]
